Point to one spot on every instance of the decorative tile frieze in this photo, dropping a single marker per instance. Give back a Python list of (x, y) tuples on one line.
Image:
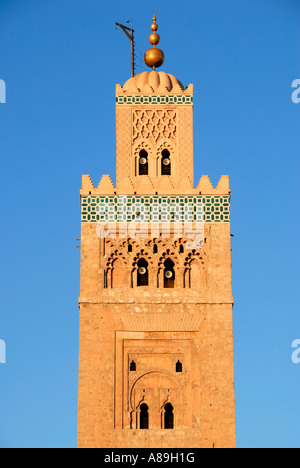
[(146, 208), (154, 99)]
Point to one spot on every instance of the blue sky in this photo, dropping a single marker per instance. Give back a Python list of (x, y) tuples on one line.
[(60, 60)]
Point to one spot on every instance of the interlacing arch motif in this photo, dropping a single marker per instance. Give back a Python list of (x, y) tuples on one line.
[(195, 275), (115, 271), (117, 255), (168, 254), (165, 145), (145, 254), (142, 146), (123, 257), (119, 248), (196, 255), (152, 125), (180, 245)]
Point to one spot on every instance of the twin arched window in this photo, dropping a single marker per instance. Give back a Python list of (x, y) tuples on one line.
[(168, 417), (143, 273), (143, 163)]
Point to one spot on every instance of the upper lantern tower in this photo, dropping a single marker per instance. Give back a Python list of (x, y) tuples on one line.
[(154, 122)]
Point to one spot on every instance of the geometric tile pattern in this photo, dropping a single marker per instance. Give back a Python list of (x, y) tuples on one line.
[(155, 208), (153, 99)]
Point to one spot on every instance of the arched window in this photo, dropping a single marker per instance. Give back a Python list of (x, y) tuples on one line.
[(169, 274), (143, 163), (155, 249), (181, 249), (132, 366), (178, 366), (144, 416), (142, 273), (169, 416), (165, 163), (129, 248)]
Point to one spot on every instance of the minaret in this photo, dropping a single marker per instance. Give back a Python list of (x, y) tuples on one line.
[(156, 339)]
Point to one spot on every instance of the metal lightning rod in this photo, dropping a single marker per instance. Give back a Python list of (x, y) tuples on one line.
[(130, 36)]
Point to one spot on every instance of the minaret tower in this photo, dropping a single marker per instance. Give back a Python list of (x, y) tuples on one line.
[(156, 339)]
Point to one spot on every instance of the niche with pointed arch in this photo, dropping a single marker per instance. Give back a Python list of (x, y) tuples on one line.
[(168, 416), (144, 416), (165, 162), (142, 273), (169, 274), (118, 279), (143, 163)]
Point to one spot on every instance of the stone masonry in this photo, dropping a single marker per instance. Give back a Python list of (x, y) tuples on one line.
[(156, 367)]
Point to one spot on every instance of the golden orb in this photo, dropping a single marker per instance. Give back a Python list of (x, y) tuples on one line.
[(154, 38), (154, 27), (154, 58)]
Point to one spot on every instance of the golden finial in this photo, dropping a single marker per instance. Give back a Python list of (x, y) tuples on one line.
[(154, 26), (154, 57)]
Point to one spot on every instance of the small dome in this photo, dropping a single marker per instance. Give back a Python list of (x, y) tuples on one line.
[(151, 81)]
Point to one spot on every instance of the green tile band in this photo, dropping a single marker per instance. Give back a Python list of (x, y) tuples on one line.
[(155, 208), (154, 99)]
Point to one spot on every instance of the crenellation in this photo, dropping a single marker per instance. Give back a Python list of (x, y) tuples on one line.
[(151, 185), (106, 187)]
